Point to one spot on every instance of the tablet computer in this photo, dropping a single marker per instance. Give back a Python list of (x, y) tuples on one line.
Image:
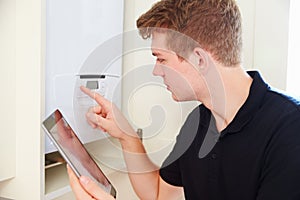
[(73, 151)]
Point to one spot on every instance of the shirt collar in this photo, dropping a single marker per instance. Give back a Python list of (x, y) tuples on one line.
[(255, 98)]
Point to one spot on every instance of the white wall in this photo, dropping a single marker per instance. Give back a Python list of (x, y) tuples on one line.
[(265, 33), (293, 71), (247, 9), (271, 40)]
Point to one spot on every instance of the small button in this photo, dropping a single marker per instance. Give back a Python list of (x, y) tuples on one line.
[(214, 156)]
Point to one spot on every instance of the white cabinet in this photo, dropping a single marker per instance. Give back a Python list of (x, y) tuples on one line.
[(8, 88), (21, 85)]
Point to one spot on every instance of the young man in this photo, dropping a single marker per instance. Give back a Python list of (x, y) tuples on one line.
[(242, 142)]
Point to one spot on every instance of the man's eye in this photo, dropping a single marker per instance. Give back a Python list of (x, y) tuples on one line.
[(160, 60)]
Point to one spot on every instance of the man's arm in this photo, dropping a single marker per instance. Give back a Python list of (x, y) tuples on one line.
[(144, 175)]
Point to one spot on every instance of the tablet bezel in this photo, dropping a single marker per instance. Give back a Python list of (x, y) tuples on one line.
[(47, 128)]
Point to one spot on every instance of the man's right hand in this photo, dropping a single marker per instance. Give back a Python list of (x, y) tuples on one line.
[(107, 117)]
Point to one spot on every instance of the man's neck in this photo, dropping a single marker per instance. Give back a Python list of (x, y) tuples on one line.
[(228, 93)]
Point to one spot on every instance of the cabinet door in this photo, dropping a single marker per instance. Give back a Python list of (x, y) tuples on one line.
[(8, 90)]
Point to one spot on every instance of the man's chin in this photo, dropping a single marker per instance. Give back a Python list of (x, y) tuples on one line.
[(175, 98), (181, 99)]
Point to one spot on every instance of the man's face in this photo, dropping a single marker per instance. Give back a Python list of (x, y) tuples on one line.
[(178, 74)]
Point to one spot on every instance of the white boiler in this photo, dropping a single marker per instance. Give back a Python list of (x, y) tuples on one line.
[(83, 47)]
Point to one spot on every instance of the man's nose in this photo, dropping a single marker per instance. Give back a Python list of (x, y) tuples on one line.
[(158, 70)]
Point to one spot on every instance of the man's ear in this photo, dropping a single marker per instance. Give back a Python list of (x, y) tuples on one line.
[(199, 59)]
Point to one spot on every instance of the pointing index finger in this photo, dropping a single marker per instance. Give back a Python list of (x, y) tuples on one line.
[(97, 97)]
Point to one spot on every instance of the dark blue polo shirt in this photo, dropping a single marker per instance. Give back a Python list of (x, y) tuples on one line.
[(257, 156)]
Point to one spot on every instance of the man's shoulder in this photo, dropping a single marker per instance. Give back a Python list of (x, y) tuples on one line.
[(282, 114), (281, 101)]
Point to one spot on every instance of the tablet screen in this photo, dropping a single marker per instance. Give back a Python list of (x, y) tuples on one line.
[(73, 150)]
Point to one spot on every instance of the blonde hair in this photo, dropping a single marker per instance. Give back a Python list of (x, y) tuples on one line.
[(214, 24)]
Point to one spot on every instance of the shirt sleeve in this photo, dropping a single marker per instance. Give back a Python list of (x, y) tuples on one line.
[(171, 173), (281, 171), (171, 169)]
